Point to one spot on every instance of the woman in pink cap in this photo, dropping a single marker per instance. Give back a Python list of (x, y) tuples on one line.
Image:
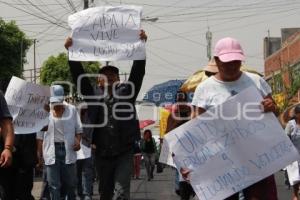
[(229, 81)]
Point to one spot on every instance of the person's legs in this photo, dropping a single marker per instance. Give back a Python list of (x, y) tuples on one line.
[(184, 190), (24, 183), (262, 190), (147, 160), (6, 183), (79, 165), (69, 182), (24, 162), (152, 164), (87, 178), (45, 194), (54, 172), (53, 179), (105, 169), (177, 188), (122, 176), (137, 165)]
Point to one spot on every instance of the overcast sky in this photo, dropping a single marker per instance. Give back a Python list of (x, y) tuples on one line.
[(176, 45)]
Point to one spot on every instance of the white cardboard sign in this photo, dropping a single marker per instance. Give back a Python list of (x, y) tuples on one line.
[(26, 102), (231, 146), (107, 33)]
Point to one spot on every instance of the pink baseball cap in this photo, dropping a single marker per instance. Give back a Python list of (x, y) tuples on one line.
[(229, 49)]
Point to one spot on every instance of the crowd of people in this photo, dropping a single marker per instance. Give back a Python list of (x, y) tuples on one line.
[(107, 123)]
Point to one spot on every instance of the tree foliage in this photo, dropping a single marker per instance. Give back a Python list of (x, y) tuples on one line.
[(11, 41), (56, 69)]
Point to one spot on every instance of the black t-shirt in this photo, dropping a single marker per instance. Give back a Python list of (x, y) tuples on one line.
[(4, 113), (149, 146)]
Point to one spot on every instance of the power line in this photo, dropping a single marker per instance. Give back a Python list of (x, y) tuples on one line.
[(195, 31), (172, 52), (71, 5), (62, 5), (40, 17), (171, 64), (156, 10), (42, 11), (177, 35)]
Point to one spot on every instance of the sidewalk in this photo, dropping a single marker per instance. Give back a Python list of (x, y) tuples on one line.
[(162, 187)]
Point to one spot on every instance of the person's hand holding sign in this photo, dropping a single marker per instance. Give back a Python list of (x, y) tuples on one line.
[(185, 172), (143, 35), (68, 42), (269, 105)]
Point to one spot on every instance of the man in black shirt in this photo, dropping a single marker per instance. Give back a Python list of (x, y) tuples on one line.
[(6, 148), (116, 123)]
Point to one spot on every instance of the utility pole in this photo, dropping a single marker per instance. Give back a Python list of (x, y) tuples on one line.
[(34, 61), (85, 4), (21, 55), (269, 46), (208, 39), (92, 3)]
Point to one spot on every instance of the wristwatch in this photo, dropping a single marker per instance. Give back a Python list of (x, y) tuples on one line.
[(10, 148)]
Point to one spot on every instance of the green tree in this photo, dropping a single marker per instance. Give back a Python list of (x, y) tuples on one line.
[(11, 41), (57, 69)]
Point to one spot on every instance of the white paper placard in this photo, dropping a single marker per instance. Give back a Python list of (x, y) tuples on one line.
[(231, 146), (106, 34), (26, 103)]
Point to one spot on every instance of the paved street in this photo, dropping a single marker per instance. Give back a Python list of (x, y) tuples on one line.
[(162, 187)]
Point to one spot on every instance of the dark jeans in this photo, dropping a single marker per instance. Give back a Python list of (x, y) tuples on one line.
[(114, 176), (6, 184), (186, 190), (45, 193), (24, 160), (149, 159), (85, 177)]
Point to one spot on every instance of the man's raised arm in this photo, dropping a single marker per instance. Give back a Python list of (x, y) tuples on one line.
[(76, 69), (137, 72)]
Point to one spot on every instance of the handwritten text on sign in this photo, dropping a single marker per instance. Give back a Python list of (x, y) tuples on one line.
[(106, 33), (226, 156), (26, 104)]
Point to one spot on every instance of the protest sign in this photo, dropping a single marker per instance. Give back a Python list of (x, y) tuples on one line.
[(231, 146), (84, 152), (26, 104), (293, 173), (107, 33), (165, 155)]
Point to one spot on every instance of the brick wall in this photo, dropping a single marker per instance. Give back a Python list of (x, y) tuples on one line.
[(288, 55)]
